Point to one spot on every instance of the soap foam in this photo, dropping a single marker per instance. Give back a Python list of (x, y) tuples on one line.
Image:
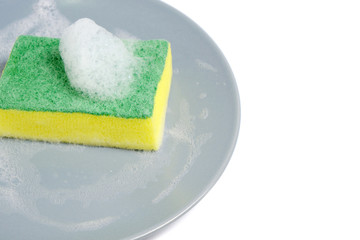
[(204, 113), (96, 62), (184, 133), (204, 65)]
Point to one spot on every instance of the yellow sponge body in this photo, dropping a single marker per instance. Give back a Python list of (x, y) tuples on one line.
[(97, 130)]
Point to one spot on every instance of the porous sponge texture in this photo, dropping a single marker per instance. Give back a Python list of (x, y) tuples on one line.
[(37, 101)]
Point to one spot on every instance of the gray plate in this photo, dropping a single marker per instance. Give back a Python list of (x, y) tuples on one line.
[(64, 191)]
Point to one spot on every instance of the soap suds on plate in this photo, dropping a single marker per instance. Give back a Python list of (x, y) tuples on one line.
[(15, 162), (204, 113), (176, 71), (204, 65), (202, 95), (184, 132)]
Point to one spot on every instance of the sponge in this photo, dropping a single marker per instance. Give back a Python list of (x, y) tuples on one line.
[(38, 102)]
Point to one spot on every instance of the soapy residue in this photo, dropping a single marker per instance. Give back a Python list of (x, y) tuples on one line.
[(204, 113), (205, 65), (176, 71), (202, 95), (184, 132)]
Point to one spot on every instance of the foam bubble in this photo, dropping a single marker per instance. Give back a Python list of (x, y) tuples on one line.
[(204, 113), (205, 65), (97, 62), (202, 95), (176, 70)]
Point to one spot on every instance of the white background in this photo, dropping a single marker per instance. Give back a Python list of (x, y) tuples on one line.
[(295, 173)]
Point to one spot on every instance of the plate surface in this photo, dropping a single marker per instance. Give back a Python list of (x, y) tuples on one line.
[(64, 191)]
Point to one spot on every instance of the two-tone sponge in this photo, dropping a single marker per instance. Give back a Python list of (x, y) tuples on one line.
[(37, 100)]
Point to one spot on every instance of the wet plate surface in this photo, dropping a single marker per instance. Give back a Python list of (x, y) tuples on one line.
[(64, 191)]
